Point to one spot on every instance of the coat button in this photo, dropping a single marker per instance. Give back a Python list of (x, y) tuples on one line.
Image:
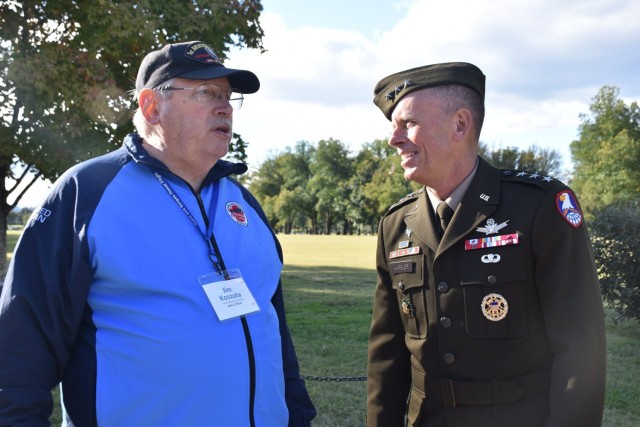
[(448, 358), (401, 286), (443, 287), (445, 322), (492, 279)]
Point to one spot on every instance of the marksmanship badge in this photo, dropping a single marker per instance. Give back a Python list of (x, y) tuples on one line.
[(494, 307)]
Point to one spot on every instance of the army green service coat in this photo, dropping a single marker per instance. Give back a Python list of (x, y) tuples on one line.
[(499, 325)]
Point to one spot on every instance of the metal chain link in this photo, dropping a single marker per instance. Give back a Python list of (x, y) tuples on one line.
[(332, 379)]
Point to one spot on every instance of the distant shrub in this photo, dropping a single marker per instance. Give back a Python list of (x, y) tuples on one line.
[(615, 234)]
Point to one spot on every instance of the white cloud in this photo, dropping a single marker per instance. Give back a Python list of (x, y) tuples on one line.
[(544, 62)]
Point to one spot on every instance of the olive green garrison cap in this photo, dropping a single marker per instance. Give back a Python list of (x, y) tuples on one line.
[(390, 90)]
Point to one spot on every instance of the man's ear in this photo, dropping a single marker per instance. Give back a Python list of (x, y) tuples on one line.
[(149, 106), (462, 122)]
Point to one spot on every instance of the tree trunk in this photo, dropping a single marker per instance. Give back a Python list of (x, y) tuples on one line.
[(4, 214)]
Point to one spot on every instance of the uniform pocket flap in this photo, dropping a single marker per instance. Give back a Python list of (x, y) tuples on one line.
[(407, 273), (493, 266)]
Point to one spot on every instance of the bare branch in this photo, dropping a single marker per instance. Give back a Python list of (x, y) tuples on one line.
[(22, 193)]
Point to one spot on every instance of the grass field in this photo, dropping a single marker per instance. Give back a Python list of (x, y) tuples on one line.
[(329, 281)]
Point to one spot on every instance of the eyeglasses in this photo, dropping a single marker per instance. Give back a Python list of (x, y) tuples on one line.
[(210, 94)]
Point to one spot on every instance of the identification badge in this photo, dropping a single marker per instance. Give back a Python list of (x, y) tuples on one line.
[(228, 294), (402, 267)]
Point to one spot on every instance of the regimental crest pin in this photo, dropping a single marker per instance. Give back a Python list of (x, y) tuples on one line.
[(568, 208), (407, 308), (494, 307), (236, 213)]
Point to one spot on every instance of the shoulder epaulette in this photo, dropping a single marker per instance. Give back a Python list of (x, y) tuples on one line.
[(532, 178), (406, 199)]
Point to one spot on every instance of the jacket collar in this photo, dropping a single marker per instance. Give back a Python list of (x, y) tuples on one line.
[(478, 203), (222, 168)]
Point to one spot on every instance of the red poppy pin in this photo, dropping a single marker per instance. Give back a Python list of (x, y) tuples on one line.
[(236, 213)]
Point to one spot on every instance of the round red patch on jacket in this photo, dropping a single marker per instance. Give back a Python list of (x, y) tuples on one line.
[(236, 213)]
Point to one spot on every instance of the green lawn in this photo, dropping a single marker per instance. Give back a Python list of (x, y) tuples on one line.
[(329, 283), (12, 239), (329, 310)]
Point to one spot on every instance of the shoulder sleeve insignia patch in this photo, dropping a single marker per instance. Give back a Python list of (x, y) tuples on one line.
[(568, 208)]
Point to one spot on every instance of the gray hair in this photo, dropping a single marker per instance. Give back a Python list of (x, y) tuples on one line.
[(143, 128), (455, 97)]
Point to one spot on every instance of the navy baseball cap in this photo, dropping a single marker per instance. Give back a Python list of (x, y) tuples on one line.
[(193, 60)]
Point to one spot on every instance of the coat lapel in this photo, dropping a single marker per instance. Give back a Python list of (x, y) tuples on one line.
[(478, 203), (420, 221)]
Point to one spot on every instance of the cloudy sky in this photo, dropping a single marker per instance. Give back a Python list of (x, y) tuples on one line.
[(544, 60)]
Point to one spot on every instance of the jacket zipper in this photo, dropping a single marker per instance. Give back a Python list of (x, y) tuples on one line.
[(245, 324)]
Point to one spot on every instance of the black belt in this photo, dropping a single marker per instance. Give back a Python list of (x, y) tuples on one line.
[(491, 392)]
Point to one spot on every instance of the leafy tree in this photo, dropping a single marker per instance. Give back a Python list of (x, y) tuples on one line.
[(615, 231), (607, 154), (66, 67), (281, 184), (379, 182), (534, 159), (331, 171)]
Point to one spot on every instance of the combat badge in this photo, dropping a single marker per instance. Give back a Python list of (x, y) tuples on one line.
[(404, 244), (568, 208), (491, 227), (408, 308), (494, 307)]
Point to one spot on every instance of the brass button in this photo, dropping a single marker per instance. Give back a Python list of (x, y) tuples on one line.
[(448, 358)]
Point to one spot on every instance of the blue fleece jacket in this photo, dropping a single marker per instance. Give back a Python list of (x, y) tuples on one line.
[(103, 295)]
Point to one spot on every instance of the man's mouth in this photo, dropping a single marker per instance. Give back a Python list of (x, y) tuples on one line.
[(224, 129)]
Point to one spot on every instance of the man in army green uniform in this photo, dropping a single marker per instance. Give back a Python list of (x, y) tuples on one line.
[(491, 317)]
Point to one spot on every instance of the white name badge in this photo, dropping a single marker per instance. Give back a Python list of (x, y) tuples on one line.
[(228, 294)]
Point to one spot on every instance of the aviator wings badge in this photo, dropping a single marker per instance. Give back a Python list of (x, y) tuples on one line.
[(491, 227)]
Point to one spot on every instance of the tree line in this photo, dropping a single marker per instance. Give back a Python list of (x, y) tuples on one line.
[(322, 188)]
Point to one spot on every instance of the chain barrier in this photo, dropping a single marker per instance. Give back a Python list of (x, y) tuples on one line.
[(332, 379)]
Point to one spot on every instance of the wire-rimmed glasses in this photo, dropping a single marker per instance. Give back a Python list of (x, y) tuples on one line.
[(210, 94)]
